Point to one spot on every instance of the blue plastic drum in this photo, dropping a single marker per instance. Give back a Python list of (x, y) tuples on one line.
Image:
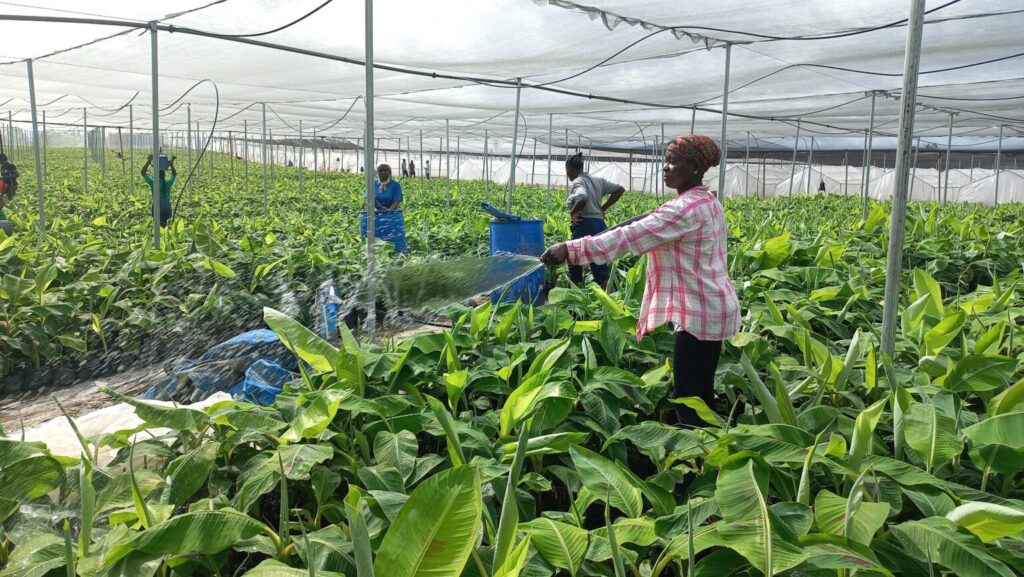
[(519, 237)]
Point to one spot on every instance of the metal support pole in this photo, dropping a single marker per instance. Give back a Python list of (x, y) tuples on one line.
[(999, 158), (792, 164), (35, 150), (447, 159), (421, 167), (746, 168), (810, 166), (188, 140), (949, 149), (263, 152), (913, 167), (155, 97), (46, 166), (867, 158), (371, 262), (315, 161), (725, 114), (85, 153), (661, 151), (131, 149), (231, 156), (894, 262), (245, 150), (547, 199), (693, 119), (515, 142), (487, 166), (302, 157), (533, 164)]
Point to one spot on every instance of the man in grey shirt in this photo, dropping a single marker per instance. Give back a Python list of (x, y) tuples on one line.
[(587, 206)]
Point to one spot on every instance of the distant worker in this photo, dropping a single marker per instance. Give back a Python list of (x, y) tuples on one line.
[(821, 187), (405, 169), (586, 212), (8, 188), (426, 168), (165, 187), (412, 168), (387, 191), (688, 283)]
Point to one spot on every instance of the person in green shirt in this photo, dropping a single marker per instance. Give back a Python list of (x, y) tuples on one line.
[(165, 187)]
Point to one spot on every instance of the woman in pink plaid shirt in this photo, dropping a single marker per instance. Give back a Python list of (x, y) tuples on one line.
[(688, 281)]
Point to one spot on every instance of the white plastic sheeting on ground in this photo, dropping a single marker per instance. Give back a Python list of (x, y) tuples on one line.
[(884, 186), (60, 438), (1011, 189), (808, 181)]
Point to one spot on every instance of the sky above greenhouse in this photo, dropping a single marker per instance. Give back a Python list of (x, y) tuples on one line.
[(603, 70)]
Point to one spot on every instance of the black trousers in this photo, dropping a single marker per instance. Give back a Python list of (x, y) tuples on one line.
[(693, 369)]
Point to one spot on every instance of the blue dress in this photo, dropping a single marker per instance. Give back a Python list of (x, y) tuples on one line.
[(391, 194)]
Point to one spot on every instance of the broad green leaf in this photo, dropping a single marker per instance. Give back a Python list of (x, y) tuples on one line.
[(509, 505), (30, 478), (396, 449), (943, 542), (202, 531), (545, 444), (606, 480), (176, 418), (943, 333), (742, 486), (560, 544), (273, 568), (831, 552), (36, 556), (830, 512), (188, 473), (454, 383), (1008, 401), (996, 443), (989, 521), (299, 459), (307, 345), (436, 530), (932, 435), (925, 285), (980, 373), (315, 413)]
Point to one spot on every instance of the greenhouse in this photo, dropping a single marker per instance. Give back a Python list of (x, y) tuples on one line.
[(512, 289)]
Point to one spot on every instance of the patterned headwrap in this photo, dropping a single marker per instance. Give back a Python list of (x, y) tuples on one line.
[(696, 149)]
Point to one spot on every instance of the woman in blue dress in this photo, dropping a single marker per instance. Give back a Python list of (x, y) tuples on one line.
[(387, 192)]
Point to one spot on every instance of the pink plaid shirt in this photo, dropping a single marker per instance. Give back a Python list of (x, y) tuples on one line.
[(687, 272)]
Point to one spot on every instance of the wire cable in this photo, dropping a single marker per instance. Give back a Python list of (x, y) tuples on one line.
[(280, 28), (213, 128)]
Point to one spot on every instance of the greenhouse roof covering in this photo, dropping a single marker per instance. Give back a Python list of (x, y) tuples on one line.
[(606, 70)]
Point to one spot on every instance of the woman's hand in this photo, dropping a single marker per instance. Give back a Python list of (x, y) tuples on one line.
[(555, 254)]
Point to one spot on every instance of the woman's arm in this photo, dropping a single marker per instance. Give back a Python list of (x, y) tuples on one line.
[(668, 223), (613, 198)]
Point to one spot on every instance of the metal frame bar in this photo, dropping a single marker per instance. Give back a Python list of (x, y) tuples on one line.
[(157, 181), (869, 136), (999, 158), (515, 142), (371, 230), (263, 154), (897, 231), (725, 115), (792, 164), (35, 150)]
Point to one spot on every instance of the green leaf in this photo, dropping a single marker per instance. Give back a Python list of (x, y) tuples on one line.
[(272, 568), (307, 345), (203, 531), (980, 373), (829, 552), (932, 435), (298, 460), (1008, 401), (702, 409), (989, 521), (941, 541), (830, 512), (30, 478), (996, 443), (396, 449), (509, 518), (516, 560), (612, 305), (454, 383), (612, 339), (863, 432), (176, 418), (36, 556), (437, 528), (188, 473), (943, 333), (316, 411), (926, 286), (606, 479), (560, 544), (545, 444)]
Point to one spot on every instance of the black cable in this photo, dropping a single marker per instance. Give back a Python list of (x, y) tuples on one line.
[(192, 169), (288, 25)]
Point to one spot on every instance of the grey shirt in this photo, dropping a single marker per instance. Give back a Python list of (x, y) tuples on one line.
[(595, 189)]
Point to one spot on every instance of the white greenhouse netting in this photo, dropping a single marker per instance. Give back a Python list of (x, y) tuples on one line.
[(1011, 189), (883, 187)]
